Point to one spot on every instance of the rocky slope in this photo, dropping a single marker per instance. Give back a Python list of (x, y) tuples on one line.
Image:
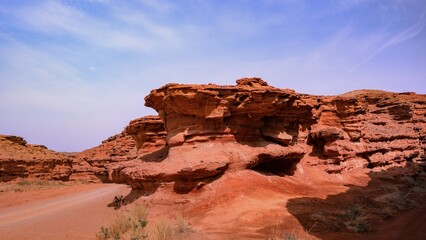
[(93, 164), (215, 129), (21, 160), (143, 135)]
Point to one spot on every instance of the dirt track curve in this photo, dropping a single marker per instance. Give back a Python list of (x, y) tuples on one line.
[(77, 215)]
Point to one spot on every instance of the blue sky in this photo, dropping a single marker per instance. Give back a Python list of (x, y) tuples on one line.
[(74, 72)]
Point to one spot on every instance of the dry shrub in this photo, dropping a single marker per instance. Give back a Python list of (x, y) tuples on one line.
[(357, 218), (164, 230), (278, 234), (398, 200), (129, 225), (330, 222), (386, 212), (133, 225), (182, 226)]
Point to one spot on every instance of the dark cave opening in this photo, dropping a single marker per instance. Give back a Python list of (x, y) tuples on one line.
[(279, 166), (318, 145)]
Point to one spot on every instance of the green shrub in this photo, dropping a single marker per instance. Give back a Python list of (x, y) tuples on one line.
[(118, 202)]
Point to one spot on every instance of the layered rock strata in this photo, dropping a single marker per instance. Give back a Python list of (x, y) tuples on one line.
[(21, 160), (93, 164), (148, 133), (212, 129), (96, 164), (204, 131)]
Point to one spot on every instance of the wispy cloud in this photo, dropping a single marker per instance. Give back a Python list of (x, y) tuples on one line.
[(26, 64), (402, 36), (54, 17), (66, 65), (160, 6)]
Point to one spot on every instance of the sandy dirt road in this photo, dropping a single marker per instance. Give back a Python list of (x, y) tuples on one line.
[(76, 215)]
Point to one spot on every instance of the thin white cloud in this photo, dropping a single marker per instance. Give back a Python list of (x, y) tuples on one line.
[(138, 20), (27, 64), (53, 17), (349, 4), (158, 5), (402, 36)]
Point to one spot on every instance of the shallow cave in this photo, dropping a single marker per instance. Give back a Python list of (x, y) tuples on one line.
[(318, 145), (280, 166)]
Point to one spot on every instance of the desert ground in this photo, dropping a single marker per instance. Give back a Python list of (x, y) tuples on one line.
[(277, 208)]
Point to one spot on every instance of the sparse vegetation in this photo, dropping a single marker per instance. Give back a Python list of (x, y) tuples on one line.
[(104, 233), (331, 223), (36, 182), (181, 224), (398, 200), (357, 218), (386, 212), (163, 230), (25, 185), (278, 234), (118, 202), (292, 236), (133, 225)]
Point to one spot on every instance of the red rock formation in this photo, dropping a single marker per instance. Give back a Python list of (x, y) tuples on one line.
[(148, 133), (204, 131), (380, 128), (19, 159), (95, 164), (212, 129)]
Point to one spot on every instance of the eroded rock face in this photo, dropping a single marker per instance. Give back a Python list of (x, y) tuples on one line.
[(248, 112), (21, 160), (140, 137), (93, 164), (204, 131), (382, 128), (210, 129), (148, 133)]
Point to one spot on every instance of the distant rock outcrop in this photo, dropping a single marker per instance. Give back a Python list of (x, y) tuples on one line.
[(143, 135), (21, 160)]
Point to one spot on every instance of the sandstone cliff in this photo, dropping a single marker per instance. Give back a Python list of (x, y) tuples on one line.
[(212, 129), (203, 131)]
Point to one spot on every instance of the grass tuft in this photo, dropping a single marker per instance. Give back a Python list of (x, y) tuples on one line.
[(133, 225), (357, 218), (278, 234), (163, 230), (127, 224), (386, 212)]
